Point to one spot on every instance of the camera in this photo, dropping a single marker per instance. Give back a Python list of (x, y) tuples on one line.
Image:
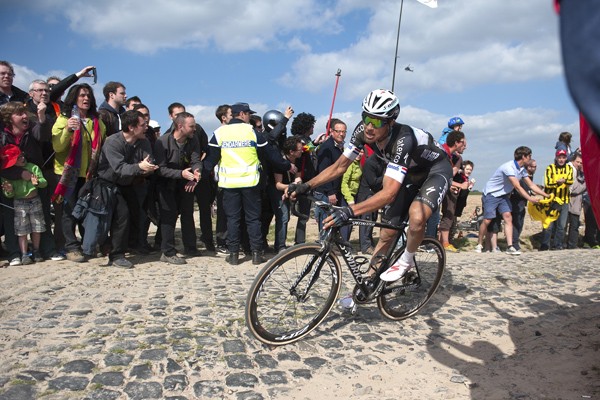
[(95, 75)]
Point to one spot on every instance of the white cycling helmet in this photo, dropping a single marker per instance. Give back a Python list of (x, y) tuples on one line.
[(382, 104)]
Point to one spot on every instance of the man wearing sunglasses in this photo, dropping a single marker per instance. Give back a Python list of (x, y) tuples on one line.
[(416, 178)]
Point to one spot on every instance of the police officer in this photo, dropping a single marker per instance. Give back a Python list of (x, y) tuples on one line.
[(235, 147)]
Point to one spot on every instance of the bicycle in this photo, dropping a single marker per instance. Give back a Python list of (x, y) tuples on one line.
[(297, 288)]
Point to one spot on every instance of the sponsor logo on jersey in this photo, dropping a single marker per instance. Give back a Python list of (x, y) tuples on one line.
[(430, 155), (399, 148)]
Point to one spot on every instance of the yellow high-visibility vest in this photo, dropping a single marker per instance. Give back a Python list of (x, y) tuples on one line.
[(239, 165)]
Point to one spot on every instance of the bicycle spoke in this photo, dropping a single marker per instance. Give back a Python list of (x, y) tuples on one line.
[(278, 310), (405, 297)]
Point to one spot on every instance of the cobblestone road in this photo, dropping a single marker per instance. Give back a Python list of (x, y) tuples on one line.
[(497, 324)]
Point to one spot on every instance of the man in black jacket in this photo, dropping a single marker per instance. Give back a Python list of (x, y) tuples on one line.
[(327, 154), (178, 155), (8, 91), (120, 162), (113, 106), (205, 192), (274, 125)]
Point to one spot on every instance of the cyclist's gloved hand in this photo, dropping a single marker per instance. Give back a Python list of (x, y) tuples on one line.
[(342, 215), (298, 188)]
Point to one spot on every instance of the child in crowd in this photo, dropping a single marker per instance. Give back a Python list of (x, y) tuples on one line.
[(29, 217)]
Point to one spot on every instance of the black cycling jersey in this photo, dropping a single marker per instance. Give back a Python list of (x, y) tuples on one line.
[(414, 152), (407, 148)]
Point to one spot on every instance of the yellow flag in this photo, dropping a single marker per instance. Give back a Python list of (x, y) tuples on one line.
[(546, 210)]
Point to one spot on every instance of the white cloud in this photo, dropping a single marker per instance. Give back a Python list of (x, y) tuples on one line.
[(229, 25), (24, 76), (459, 45)]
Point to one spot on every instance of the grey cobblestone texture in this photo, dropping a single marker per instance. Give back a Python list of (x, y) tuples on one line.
[(81, 331)]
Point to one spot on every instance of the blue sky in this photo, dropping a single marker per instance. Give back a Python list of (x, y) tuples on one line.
[(495, 63)]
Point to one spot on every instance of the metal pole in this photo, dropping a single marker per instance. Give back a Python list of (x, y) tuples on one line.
[(397, 40), (338, 74)]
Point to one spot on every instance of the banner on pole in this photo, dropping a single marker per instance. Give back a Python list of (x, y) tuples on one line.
[(429, 3)]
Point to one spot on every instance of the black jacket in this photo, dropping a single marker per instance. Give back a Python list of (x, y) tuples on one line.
[(172, 159), (110, 117), (327, 155), (119, 160)]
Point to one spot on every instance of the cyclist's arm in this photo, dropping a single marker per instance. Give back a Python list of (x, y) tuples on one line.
[(385, 196), (332, 172)]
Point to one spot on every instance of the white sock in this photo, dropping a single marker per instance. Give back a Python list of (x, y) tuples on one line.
[(408, 257)]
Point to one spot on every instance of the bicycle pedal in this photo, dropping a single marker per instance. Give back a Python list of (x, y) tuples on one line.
[(362, 298)]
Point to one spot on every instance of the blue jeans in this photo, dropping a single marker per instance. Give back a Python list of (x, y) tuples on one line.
[(365, 233), (556, 229)]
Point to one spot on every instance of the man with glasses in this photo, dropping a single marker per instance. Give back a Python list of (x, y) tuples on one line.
[(417, 169), (39, 104), (39, 100), (8, 91), (327, 154)]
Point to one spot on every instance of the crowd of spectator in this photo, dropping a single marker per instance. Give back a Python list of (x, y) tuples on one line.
[(82, 180)]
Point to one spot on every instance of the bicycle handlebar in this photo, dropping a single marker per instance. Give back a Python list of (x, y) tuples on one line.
[(329, 208)]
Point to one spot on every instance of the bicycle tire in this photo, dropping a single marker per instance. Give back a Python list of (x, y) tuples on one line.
[(274, 315), (405, 297)]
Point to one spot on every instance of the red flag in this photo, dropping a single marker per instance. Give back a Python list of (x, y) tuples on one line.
[(590, 153)]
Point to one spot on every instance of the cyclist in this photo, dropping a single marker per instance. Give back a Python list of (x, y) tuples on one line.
[(418, 169)]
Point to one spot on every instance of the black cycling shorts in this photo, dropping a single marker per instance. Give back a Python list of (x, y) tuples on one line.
[(427, 187)]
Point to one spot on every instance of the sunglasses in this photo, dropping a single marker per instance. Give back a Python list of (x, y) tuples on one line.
[(376, 122)]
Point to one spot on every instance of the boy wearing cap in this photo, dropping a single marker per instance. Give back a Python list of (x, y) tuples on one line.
[(557, 180), (29, 216)]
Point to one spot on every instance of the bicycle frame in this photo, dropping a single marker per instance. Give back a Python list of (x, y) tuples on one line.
[(332, 235), (297, 289)]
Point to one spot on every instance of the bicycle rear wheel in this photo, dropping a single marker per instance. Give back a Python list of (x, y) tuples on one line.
[(405, 297), (279, 308)]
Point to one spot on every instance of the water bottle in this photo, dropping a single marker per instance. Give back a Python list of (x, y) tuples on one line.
[(75, 112)]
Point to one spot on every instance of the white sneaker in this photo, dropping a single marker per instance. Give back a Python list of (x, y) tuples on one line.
[(478, 248), (346, 302), (512, 251), (15, 261), (497, 250), (396, 271)]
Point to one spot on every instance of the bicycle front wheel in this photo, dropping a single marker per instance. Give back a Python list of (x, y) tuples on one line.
[(405, 297), (292, 294)]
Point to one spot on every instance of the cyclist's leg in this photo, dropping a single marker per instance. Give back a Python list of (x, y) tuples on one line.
[(418, 214), (394, 214), (386, 239), (430, 196)]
